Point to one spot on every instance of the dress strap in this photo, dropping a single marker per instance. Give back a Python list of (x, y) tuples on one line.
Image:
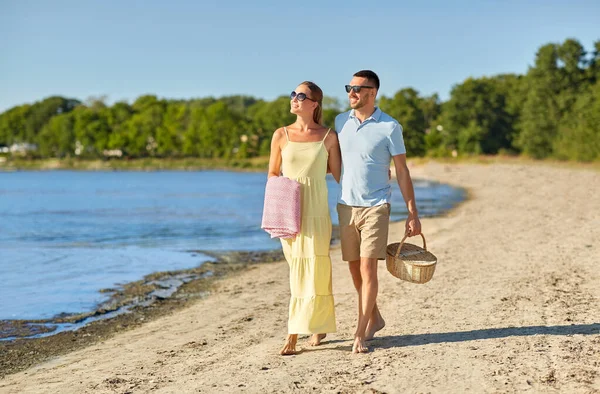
[(286, 134), (326, 134)]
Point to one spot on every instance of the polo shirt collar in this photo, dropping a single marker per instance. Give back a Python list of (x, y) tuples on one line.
[(375, 116)]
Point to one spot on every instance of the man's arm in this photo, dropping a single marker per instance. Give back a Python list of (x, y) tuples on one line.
[(413, 224), (334, 162)]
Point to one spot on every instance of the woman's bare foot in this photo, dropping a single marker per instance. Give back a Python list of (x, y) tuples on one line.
[(290, 345), (374, 325), (315, 339), (359, 346)]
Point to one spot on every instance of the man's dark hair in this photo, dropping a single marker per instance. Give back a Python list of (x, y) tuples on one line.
[(370, 75)]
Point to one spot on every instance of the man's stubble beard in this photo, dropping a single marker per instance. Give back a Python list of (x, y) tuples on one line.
[(359, 104)]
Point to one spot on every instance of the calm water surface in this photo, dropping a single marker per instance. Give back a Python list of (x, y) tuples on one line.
[(65, 235)]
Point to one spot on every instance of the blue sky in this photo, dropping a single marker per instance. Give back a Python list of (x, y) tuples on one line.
[(185, 49)]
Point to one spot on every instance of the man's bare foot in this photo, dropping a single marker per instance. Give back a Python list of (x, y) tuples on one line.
[(315, 339), (359, 346), (290, 345), (373, 327)]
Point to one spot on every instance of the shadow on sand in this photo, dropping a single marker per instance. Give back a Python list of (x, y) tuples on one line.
[(385, 342)]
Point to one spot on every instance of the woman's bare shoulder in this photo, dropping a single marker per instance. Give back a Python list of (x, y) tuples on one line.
[(332, 138), (332, 132), (279, 133)]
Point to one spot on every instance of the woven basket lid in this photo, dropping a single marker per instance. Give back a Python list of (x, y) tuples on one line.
[(410, 253)]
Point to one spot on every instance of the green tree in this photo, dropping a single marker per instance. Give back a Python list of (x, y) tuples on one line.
[(194, 134), (141, 128), (41, 112), (13, 124), (407, 107), (117, 117), (91, 131), (476, 117), (332, 107), (594, 64), (554, 83), (268, 117), (170, 136), (579, 136), (57, 138)]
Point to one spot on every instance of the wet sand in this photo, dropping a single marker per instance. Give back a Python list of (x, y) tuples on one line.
[(129, 306), (514, 306)]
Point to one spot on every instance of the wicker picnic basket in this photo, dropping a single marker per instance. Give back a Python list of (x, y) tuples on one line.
[(410, 262)]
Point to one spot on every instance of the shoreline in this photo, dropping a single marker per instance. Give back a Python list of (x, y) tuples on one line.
[(153, 287), (141, 300), (255, 164)]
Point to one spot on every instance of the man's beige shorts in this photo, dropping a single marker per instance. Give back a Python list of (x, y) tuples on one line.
[(363, 231)]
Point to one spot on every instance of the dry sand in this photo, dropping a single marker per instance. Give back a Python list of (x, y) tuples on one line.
[(513, 307)]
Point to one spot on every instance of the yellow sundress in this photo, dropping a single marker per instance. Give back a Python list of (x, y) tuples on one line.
[(311, 303)]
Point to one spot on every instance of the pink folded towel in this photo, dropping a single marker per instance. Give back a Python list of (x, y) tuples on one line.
[(281, 213)]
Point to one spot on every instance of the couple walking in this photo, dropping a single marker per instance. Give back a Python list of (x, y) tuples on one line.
[(358, 155)]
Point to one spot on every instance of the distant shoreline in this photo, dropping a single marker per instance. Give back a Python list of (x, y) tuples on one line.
[(255, 164), (146, 164)]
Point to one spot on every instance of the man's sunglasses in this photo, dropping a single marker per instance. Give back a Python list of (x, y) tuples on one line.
[(300, 96), (357, 88)]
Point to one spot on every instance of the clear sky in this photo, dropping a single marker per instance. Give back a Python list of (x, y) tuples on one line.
[(198, 48)]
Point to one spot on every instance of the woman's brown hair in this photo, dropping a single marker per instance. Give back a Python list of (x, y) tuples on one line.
[(317, 95)]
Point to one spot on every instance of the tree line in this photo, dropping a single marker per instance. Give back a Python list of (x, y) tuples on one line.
[(553, 111)]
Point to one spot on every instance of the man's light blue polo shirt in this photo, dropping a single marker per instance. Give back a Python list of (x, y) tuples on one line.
[(367, 150)]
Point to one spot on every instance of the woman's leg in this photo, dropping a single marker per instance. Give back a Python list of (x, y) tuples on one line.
[(290, 345), (315, 339)]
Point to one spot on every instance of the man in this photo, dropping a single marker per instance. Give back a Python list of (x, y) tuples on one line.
[(369, 140)]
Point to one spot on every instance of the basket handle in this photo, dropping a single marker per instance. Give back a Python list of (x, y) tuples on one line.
[(402, 243)]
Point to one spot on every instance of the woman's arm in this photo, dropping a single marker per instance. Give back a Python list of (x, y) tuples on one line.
[(275, 155)]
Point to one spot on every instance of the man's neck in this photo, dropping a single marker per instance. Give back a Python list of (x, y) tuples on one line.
[(364, 113)]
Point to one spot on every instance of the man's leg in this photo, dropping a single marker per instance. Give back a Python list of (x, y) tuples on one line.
[(350, 240), (375, 234), (368, 296), (357, 279), (376, 323)]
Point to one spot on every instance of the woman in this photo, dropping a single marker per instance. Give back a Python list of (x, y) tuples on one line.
[(305, 150)]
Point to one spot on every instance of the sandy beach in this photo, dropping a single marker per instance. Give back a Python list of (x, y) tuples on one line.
[(514, 306)]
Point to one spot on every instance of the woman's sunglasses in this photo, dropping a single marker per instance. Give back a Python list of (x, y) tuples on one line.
[(300, 96), (357, 88)]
